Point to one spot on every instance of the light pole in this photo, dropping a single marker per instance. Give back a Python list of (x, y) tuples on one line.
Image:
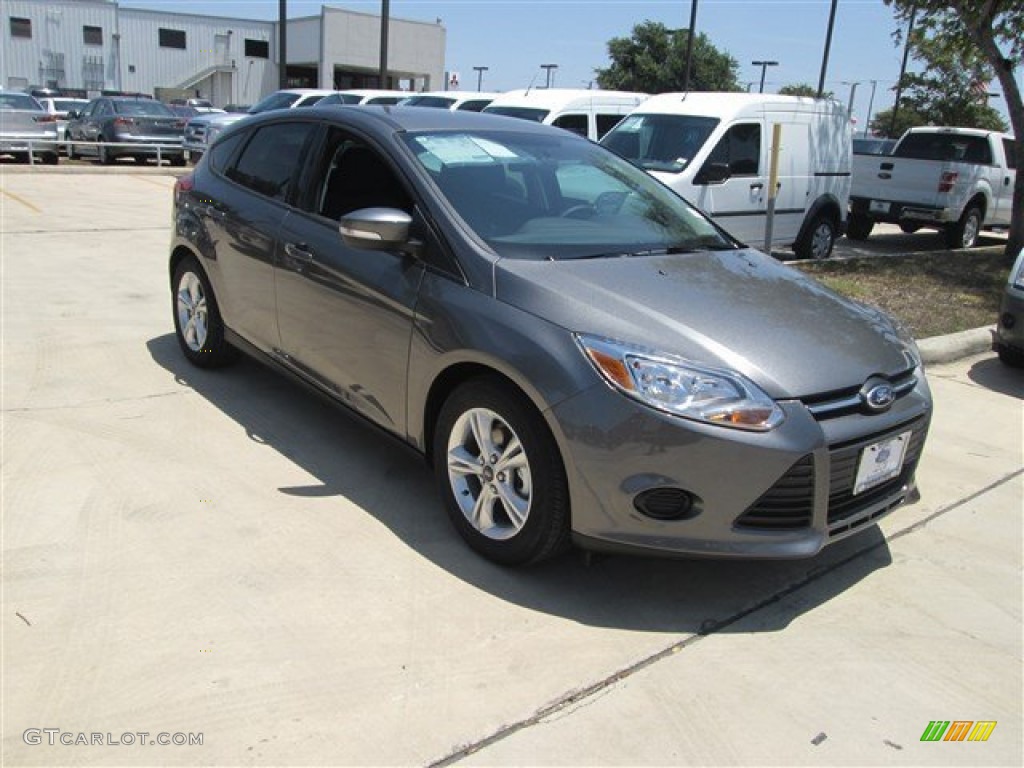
[(871, 103), (550, 77), (828, 46), (384, 14), (689, 44), (764, 67), (853, 90), (480, 76)]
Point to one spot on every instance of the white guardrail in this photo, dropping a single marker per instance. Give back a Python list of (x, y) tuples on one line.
[(60, 144)]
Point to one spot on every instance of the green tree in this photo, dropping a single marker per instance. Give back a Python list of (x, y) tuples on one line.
[(907, 117), (974, 33), (652, 61), (802, 89)]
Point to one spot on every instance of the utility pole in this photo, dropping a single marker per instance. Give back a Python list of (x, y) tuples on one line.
[(871, 103), (903, 71), (282, 42), (385, 12), (550, 77), (828, 46), (480, 77), (689, 44), (764, 67)]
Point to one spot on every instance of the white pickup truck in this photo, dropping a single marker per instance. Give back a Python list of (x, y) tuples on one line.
[(956, 180)]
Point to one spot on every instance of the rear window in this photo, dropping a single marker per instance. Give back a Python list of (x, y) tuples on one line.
[(526, 113), (277, 100), (19, 101), (439, 102), (143, 107), (949, 147)]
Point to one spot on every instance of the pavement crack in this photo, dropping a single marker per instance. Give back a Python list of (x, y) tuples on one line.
[(573, 700), (92, 403)]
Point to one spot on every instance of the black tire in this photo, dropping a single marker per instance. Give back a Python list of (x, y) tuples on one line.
[(102, 155), (1010, 356), (909, 228), (858, 226), (964, 234), (818, 238), (533, 476), (204, 345), (51, 159)]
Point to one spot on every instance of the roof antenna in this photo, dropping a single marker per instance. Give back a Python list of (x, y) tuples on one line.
[(531, 84)]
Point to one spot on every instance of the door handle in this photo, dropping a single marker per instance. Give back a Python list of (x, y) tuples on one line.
[(1006, 181), (298, 251), (757, 185)]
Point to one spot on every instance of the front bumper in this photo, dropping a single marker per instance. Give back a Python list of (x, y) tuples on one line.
[(780, 494)]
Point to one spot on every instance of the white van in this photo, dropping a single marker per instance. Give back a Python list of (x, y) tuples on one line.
[(714, 149), (588, 113)]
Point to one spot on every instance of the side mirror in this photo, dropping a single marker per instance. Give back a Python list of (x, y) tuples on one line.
[(712, 173), (377, 229)]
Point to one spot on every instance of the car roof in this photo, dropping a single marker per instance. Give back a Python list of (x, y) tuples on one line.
[(556, 98), (413, 119)]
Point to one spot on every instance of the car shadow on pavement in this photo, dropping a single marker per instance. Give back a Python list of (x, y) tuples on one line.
[(995, 375), (354, 460)]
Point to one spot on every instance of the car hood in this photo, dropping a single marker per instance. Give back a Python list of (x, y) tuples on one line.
[(736, 309)]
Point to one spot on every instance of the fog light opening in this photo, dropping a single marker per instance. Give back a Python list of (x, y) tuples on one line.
[(667, 504)]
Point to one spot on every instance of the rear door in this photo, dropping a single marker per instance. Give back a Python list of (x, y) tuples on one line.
[(1003, 183), (346, 314)]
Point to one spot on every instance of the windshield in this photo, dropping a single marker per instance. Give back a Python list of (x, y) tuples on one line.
[(660, 142), (558, 197), (143, 107), (526, 113), (277, 100), (441, 102)]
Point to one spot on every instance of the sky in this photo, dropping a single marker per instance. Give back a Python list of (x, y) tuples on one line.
[(514, 37)]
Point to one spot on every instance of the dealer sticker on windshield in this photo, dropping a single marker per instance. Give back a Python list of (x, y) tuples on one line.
[(881, 461)]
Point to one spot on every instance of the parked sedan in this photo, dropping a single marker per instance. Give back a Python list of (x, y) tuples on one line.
[(59, 106), (26, 127), (126, 126), (580, 354)]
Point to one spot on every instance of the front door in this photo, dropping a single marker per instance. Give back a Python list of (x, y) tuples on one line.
[(346, 314), (738, 203)]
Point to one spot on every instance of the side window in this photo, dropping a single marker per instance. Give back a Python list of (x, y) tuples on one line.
[(222, 151), (1010, 149), (740, 149), (605, 123), (352, 176), (574, 123), (103, 108), (271, 160)]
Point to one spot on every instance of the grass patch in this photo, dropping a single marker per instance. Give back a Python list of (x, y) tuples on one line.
[(933, 294)]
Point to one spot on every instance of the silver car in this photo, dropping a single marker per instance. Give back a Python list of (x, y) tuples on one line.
[(580, 354), (25, 127)]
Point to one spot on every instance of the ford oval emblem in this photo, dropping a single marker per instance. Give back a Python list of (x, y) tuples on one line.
[(879, 397)]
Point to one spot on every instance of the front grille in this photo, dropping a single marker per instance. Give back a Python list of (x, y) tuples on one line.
[(842, 503), (829, 405), (786, 505), (789, 503)]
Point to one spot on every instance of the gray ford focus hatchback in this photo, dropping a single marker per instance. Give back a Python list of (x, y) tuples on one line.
[(580, 355)]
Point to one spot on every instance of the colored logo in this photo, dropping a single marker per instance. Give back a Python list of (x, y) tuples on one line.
[(958, 730), (879, 397)]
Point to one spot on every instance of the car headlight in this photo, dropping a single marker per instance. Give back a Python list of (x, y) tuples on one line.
[(683, 388), (212, 132), (1017, 273)]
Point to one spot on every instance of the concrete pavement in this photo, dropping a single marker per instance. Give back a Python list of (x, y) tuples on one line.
[(221, 554)]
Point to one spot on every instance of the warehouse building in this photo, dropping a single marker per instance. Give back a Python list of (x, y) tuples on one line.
[(92, 46)]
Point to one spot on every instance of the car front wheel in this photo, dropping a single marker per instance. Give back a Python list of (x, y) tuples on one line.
[(197, 321), (500, 474)]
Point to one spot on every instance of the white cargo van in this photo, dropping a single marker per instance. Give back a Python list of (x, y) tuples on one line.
[(588, 113), (714, 149)]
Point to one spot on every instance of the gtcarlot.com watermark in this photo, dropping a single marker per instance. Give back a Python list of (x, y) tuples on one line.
[(57, 736)]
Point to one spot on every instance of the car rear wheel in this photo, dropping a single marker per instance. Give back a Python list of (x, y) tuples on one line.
[(819, 238), (197, 321), (103, 155), (1010, 356), (500, 474), (858, 226), (965, 232)]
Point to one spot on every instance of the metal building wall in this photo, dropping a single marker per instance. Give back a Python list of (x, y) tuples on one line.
[(56, 50)]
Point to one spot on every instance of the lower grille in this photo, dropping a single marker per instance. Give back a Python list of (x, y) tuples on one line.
[(789, 503)]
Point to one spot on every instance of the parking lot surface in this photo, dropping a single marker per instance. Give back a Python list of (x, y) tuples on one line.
[(220, 553)]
